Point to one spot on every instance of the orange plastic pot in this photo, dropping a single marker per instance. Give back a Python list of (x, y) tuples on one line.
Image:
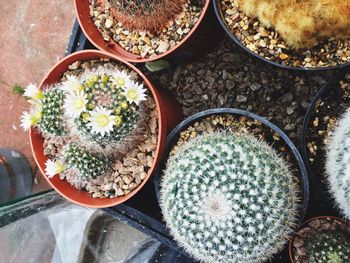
[(305, 224), (203, 36), (169, 114)]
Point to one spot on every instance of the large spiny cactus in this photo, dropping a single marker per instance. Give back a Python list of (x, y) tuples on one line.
[(338, 164), (302, 24), (329, 247), (149, 15), (229, 198)]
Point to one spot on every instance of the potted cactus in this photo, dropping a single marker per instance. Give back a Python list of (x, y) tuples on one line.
[(226, 194), (307, 34), (96, 128), (321, 239), (321, 121), (147, 30)]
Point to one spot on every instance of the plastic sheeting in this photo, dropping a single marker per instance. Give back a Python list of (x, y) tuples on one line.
[(46, 228)]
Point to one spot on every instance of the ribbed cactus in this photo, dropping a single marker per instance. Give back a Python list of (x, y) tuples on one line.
[(302, 24), (51, 113), (87, 164), (338, 164), (149, 15), (229, 198), (329, 247)]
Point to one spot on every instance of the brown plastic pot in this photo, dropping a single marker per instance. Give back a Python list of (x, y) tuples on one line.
[(305, 224), (169, 114), (203, 36)]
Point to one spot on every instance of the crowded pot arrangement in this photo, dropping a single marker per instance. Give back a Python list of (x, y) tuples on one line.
[(230, 181)]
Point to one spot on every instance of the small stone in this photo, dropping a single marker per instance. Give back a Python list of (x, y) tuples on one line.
[(109, 23), (283, 56), (241, 98)]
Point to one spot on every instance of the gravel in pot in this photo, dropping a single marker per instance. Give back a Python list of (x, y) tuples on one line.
[(290, 34), (203, 200)]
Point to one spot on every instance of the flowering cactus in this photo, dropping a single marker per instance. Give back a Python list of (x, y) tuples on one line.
[(97, 111), (149, 15), (229, 198), (338, 164), (302, 24), (329, 247)]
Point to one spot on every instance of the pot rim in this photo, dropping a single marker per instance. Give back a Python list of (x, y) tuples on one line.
[(222, 22), (135, 58), (305, 224), (174, 135), (102, 202)]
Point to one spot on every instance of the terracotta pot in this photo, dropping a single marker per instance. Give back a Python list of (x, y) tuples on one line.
[(192, 45), (305, 224), (168, 113)]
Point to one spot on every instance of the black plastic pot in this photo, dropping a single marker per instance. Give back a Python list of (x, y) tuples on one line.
[(320, 199), (222, 21), (174, 136)]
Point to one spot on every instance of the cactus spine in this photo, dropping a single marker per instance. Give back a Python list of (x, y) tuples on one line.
[(338, 165), (229, 198)]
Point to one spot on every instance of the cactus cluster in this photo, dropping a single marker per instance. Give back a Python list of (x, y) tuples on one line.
[(229, 197), (151, 15), (329, 247), (101, 112), (302, 24), (338, 164)]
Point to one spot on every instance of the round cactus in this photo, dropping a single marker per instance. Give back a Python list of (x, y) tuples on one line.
[(229, 198), (149, 15), (338, 165), (110, 107), (87, 164), (329, 247)]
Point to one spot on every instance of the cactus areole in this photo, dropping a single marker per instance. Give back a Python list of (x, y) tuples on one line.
[(151, 15), (229, 197)]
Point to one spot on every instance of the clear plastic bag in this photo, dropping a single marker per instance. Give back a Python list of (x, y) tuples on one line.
[(46, 228)]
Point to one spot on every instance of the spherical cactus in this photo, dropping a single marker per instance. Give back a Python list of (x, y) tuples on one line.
[(106, 106), (87, 164), (149, 15), (229, 198), (338, 164), (329, 247)]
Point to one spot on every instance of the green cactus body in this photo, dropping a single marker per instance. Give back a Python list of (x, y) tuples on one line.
[(338, 164), (51, 112), (229, 198), (329, 247), (102, 91), (87, 164)]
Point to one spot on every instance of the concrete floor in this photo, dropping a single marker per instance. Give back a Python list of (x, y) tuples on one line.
[(34, 35)]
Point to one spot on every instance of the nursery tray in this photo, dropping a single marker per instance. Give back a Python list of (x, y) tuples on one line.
[(142, 211)]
